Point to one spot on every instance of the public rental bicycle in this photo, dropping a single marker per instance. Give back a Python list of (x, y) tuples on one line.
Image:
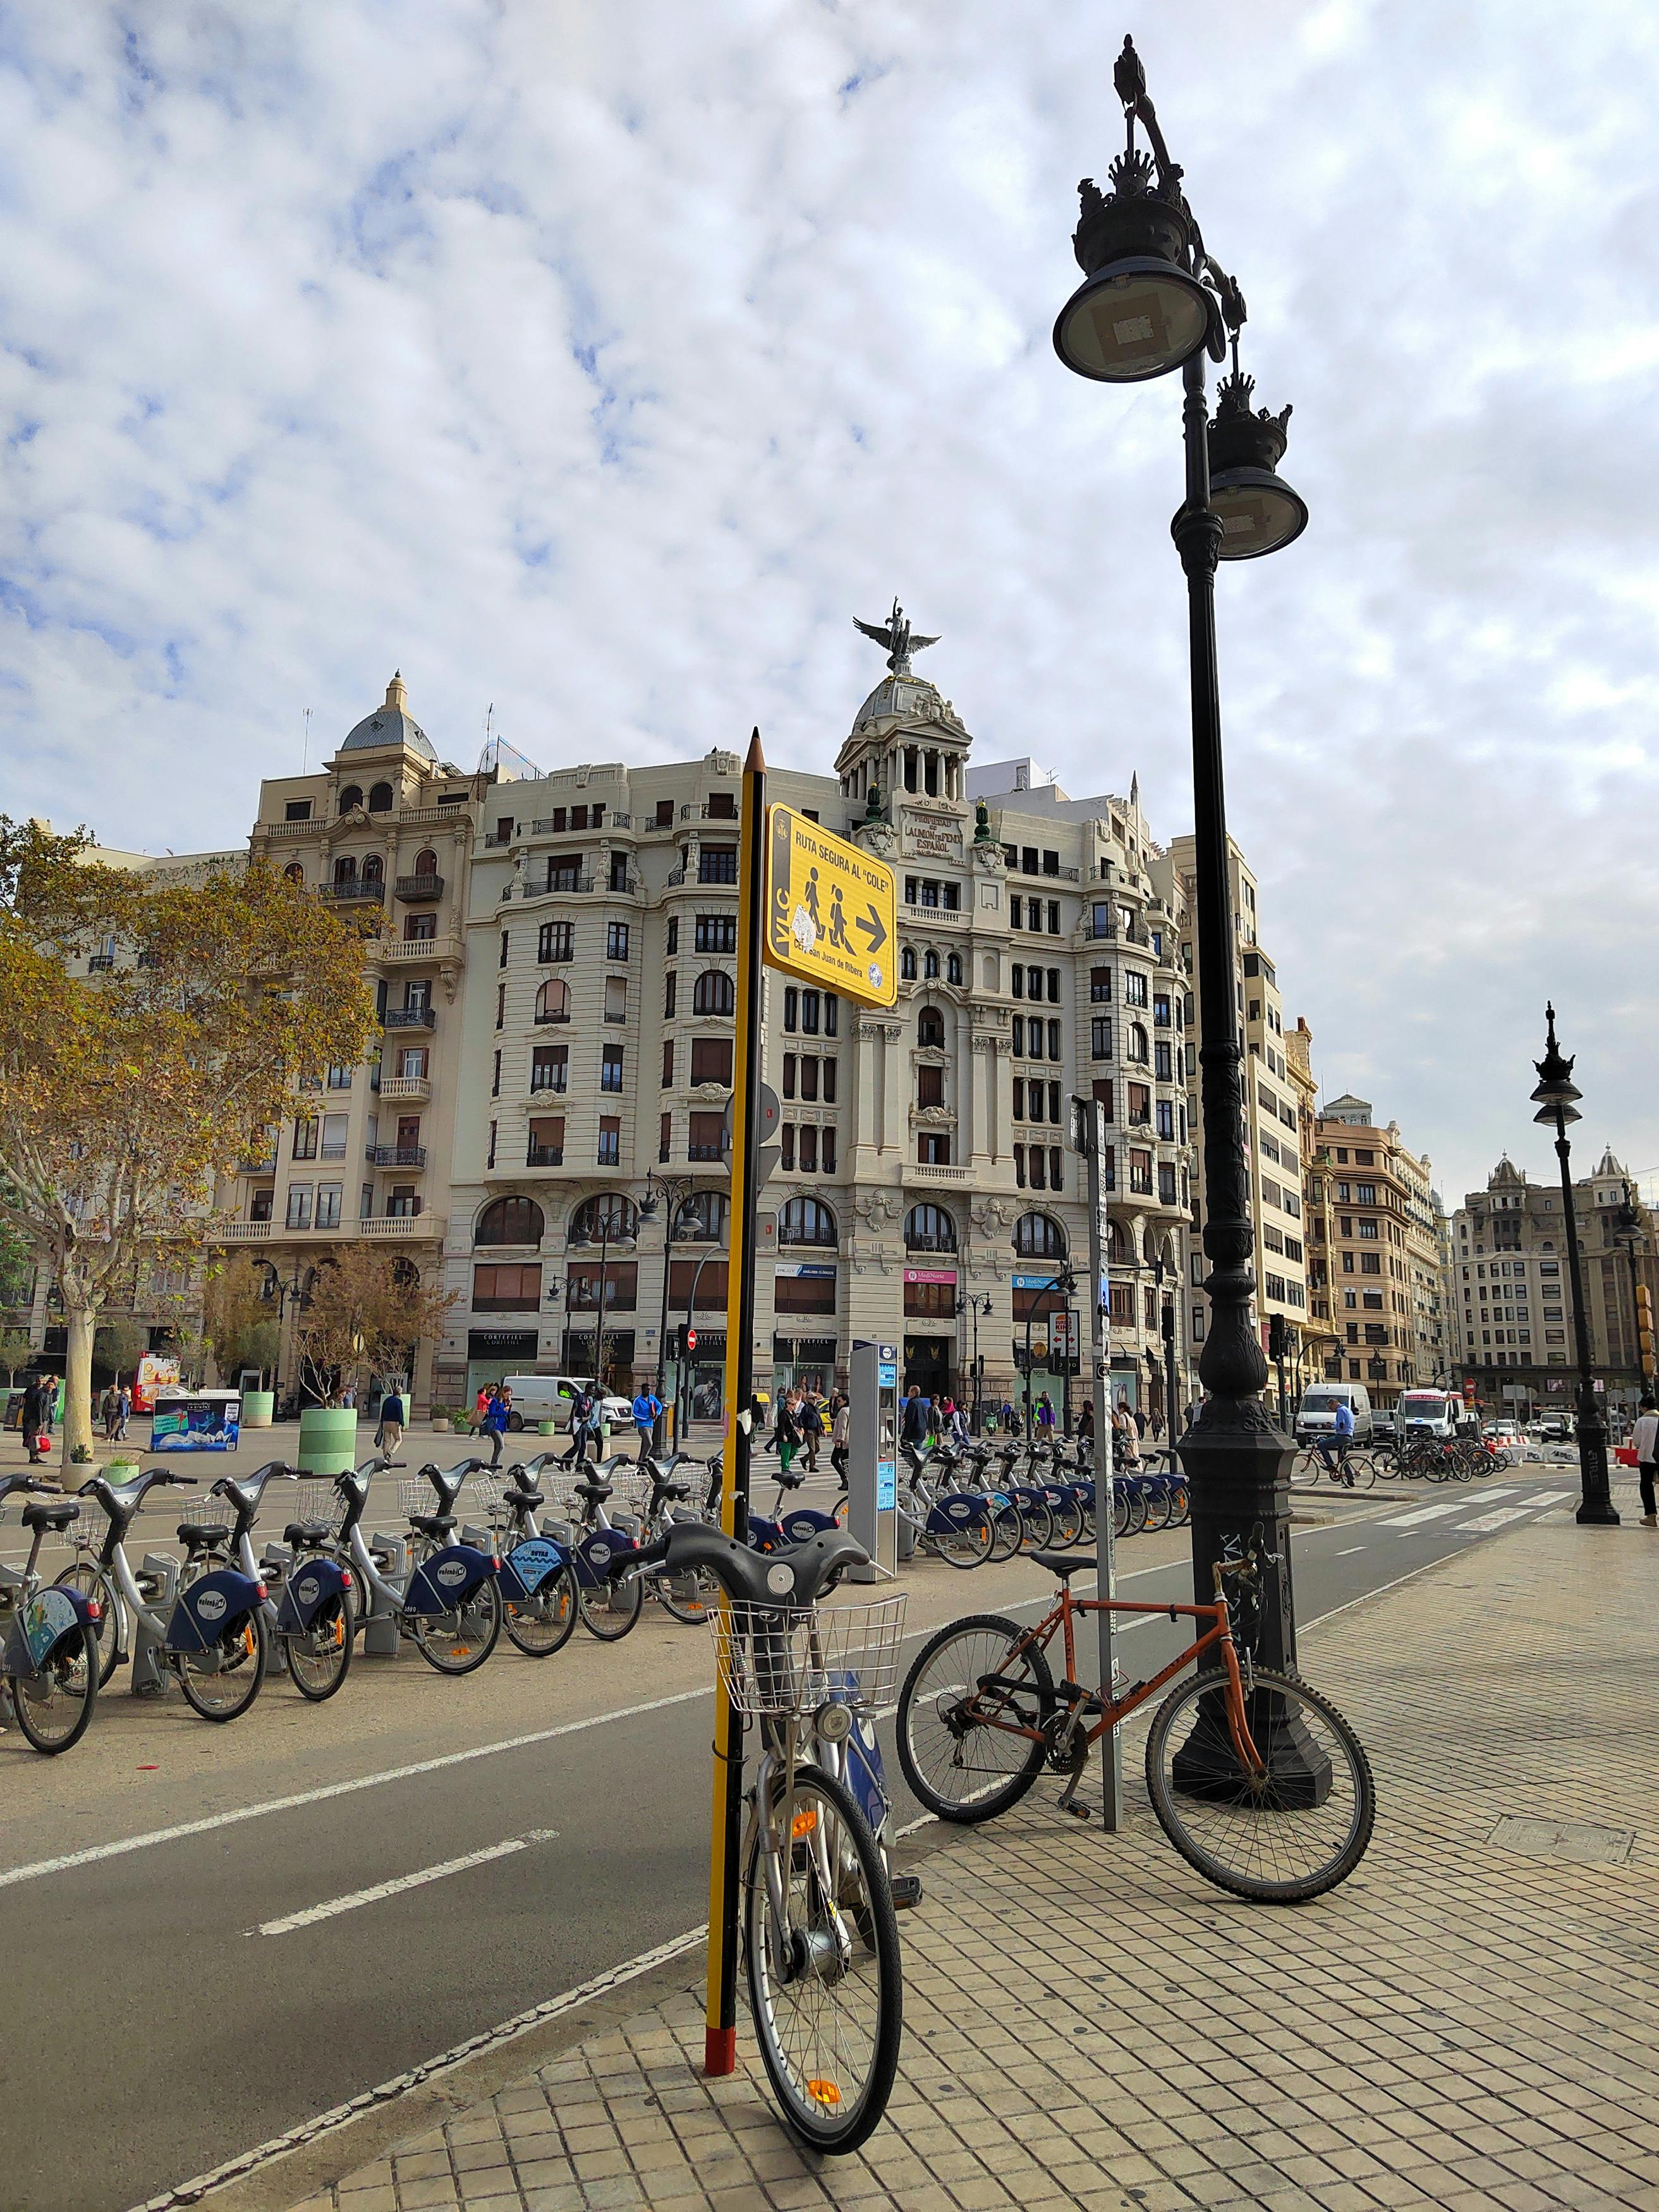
[(816, 1912), (1257, 1779)]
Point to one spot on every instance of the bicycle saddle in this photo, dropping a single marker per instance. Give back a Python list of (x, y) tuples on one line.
[(1063, 1563), (434, 1525), (594, 1492), (52, 1513), (518, 1495), (305, 1535), (659, 1490), (202, 1536)]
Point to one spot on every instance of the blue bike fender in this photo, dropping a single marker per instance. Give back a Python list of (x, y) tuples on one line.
[(765, 1535), (309, 1587), (957, 1512), (51, 1615), (593, 1554), (447, 1579), (211, 1609), (866, 1776), (530, 1563), (805, 1522)]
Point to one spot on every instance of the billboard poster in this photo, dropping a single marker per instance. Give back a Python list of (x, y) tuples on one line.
[(207, 1420), (157, 1371)]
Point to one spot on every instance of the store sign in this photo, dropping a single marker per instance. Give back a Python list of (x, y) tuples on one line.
[(817, 1269), (930, 1275), (1035, 1282)]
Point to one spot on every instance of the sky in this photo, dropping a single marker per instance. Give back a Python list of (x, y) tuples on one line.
[(598, 363)]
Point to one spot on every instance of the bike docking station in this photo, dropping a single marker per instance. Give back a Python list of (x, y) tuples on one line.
[(872, 1513), (825, 912)]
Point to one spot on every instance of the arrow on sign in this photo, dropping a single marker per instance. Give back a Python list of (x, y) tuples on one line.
[(872, 929)]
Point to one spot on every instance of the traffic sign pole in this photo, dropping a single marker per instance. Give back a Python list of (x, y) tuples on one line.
[(720, 2014)]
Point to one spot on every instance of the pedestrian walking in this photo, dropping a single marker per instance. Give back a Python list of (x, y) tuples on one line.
[(107, 1407), (1645, 1437), (1085, 1423), (495, 1424), (1008, 1416), (811, 1419), (122, 1413), (648, 1408), (913, 1421), (38, 1392), (786, 1432), (840, 1423), (1045, 1411), (390, 1434), (478, 1407), (583, 1412)]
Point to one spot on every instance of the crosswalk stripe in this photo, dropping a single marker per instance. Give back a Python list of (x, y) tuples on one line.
[(1488, 1521), (1438, 1512)]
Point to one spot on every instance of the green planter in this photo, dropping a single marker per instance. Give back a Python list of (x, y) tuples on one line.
[(547, 1428), (328, 1439), (258, 1408)]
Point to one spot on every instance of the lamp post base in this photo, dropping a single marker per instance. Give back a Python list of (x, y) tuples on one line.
[(1596, 1509)]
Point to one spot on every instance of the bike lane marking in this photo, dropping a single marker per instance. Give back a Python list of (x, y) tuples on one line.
[(333, 1906)]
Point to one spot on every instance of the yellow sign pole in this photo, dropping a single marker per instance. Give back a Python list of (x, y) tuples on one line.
[(720, 2015)]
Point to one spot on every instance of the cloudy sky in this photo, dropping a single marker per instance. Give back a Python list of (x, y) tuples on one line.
[(601, 361)]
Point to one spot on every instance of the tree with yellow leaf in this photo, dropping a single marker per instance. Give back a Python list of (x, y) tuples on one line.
[(126, 1093), (365, 1311)]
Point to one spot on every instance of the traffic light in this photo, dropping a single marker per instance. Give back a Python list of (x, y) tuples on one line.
[(1275, 1336), (1644, 1327), (677, 1341)]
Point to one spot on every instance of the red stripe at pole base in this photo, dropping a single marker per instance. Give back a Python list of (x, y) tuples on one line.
[(720, 2051)]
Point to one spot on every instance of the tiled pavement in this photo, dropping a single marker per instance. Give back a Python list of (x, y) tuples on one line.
[(1465, 2023)]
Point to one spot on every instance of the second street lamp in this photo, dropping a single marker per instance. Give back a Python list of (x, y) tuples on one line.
[(1237, 1462), (1556, 1096)]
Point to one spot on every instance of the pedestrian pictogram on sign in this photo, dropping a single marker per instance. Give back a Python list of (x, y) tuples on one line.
[(690, 1339), (832, 910)]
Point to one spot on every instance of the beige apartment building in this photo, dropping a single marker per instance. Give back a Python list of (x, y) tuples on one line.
[(1378, 1252), (1318, 1341), (1511, 1323)]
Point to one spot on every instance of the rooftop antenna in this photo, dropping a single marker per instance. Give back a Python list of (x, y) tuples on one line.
[(305, 754)]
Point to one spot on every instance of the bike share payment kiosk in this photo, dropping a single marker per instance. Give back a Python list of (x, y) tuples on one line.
[(873, 1431)]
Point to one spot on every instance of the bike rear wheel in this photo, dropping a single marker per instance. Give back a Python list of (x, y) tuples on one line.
[(963, 1544), (1284, 1835), (825, 1987), (55, 1708), (458, 1643), (1067, 1518), (222, 1682), (959, 1762), (610, 1609), (1007, 1531), (320, 1657), (694, 1600), (92, 1583), (544, 1623), (1037, 1525)]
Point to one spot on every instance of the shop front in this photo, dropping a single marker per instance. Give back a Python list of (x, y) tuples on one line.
[(930, 1329), (492, 1354), (803, 1344)]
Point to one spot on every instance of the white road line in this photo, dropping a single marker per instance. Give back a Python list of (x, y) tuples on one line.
[(1350, 1551), (93, 1852), (333, 1906), (1551, 1497), (1488, 1521), (1438, 1512)]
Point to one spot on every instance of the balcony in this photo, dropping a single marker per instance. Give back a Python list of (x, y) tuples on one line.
[(705, 1151), (411, 1090), (409, 1017), (100, 963), (925, 1172), (544, 1156), (419, 887), (266, 1166), (354, 890), (494, 840), (393, 949), (424, 1226), (330, 1152), (395, 1156)]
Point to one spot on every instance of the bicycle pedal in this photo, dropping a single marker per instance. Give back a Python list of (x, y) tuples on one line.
[(906, 1891), (1080, 1811)]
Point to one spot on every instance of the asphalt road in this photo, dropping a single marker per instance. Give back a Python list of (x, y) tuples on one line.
[(178, 1993)]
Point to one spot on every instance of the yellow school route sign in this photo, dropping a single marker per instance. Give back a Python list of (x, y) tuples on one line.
[(832, 910)]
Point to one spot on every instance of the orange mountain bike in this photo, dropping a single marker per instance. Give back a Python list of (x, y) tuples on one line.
[(1257, 1780)]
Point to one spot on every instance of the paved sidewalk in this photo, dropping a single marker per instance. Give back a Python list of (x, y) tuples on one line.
[(1468, 2022)]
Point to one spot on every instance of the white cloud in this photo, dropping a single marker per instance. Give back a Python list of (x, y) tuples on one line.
[(602, 362)]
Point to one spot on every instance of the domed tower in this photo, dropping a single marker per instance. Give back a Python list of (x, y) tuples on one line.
[(906, 738)]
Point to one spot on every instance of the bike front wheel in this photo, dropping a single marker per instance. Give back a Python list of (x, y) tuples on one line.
[(460, 1642), (609, 1610), (222, 1682), (1288, 1831), (54, 1708), (1007, 1531), (825, 1983), (541, 1625), (320, 1657), (967, 1544), (970, 1715), (92, 1583), (689, 1599)]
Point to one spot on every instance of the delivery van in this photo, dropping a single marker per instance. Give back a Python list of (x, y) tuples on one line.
[(1317, 1415)]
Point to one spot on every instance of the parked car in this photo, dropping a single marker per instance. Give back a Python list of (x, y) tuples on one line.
[(548, 1398)]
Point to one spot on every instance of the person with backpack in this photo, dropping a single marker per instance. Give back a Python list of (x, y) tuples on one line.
[(495, 1424), (584, 1420)]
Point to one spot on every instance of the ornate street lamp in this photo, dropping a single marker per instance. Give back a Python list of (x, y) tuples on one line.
[(1066, 1283), (969, 1305), (1154, 299), (1556, 1096), (680, 1190)]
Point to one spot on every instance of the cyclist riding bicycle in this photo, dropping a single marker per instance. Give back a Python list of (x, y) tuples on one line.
[(1333, 1448)]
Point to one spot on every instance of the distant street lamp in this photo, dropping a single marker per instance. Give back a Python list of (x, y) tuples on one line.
[(1627, 1235), (969, 1305), (1154, 299), (1556, 1096), (281, 1292), (1066, 1283)]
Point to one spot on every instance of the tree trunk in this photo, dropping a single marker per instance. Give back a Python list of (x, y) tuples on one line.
[(77, 1378)]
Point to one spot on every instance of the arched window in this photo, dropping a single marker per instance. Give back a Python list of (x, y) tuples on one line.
[(907, 966), (1038, 1236), (426, 863), (930, 1028), (1117, 1244), (379, 799), (294, 873), (607, 1219), (953, 967), (350, 797), (806, 1221), (714, 993), (929, 1228), (510, 1221), (703, 1218), (373, 869), (345, 868), (930, 967), (1135, 1043), (553, 1001)]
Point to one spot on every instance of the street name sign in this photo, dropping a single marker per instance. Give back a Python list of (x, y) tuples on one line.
[(832, 910)]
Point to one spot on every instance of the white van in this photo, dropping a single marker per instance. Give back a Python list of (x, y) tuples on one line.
[(1317, 1415), (1429, 1413), (548, 1398)]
